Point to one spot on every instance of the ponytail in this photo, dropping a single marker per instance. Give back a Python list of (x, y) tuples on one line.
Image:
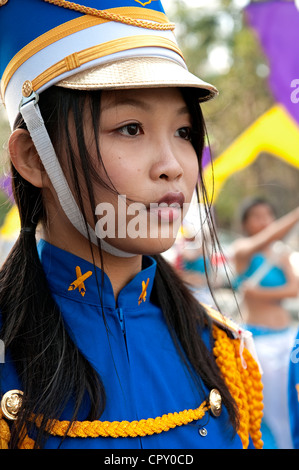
[(51, 369)]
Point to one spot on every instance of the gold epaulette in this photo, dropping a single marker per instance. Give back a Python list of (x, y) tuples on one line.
[(238, 332), (239, 365), (221, 320), (4, 432)]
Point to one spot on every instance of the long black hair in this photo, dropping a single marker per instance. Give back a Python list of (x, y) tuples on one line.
[(51, 369)]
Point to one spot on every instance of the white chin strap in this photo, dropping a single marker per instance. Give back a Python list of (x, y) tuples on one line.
[(40, 137)]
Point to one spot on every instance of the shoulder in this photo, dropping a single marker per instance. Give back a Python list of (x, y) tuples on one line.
[(241, 247), (219, 319), (242, 250), (225, 327)]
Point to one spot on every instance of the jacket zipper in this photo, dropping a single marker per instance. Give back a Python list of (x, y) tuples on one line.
[(121, 320), (122, 325)]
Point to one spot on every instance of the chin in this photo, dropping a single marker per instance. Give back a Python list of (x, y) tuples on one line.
[(145, 246)]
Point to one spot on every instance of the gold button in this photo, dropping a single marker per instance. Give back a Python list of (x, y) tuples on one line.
[(215, 402), (11, 403), (27, 89), (2, 2)]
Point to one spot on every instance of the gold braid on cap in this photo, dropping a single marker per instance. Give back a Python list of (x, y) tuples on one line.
[(108, 15)]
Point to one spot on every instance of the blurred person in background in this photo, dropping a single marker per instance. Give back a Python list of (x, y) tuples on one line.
[(193, 263), (264, 279)]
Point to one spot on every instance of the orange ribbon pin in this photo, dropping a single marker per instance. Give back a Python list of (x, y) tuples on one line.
[(142, 296), (79, 282)]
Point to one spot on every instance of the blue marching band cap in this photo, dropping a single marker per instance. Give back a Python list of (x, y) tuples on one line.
[(101, 44), (97, 44)]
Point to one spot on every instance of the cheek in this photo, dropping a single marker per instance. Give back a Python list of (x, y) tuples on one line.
[(129, 173), (119, 164), (252, 227), (124, 176), (191, 171)]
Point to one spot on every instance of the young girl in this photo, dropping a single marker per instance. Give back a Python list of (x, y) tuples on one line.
[(105, 347)]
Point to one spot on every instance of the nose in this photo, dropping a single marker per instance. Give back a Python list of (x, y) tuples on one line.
[(166, 164)]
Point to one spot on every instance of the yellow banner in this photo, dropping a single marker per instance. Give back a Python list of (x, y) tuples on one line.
[(275, 132)]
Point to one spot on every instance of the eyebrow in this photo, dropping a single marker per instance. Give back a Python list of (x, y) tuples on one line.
[(140, 104)]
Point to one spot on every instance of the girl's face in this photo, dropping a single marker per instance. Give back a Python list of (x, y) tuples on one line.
[(258, 218), (148, 158)]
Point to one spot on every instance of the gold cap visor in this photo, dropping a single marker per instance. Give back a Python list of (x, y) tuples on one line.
[(138, 72)]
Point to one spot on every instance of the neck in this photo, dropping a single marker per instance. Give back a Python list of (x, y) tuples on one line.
[(119, 270)]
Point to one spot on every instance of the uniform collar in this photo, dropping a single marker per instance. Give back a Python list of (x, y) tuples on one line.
[(77, 279)]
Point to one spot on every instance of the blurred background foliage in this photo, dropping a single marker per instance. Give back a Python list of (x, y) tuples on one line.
[(219, 46)]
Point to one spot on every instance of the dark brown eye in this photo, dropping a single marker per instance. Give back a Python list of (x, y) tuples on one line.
[(131, 129), (184, 133)]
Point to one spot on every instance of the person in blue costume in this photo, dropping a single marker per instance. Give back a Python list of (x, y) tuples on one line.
[(265, 277), (105, 346)]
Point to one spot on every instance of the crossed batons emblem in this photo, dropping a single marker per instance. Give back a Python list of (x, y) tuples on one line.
[(146, 3), (79, 284)]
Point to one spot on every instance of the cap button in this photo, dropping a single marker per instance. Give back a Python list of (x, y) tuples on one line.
[(27, 88), (215, 402), (11, 403)]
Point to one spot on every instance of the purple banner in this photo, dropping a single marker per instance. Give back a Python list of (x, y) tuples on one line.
[(5, 186), (277, 26)]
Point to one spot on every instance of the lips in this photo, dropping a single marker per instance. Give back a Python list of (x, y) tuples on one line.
[(168, 208), (174, 199)]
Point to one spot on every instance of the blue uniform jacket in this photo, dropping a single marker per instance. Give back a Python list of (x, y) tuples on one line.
[(141, 370), (293, 393)]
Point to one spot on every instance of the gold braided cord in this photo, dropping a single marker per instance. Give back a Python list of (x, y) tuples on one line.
[(244, 385), (4, 432), (254, 391), (144, 427), (108, 15), (26, 441)]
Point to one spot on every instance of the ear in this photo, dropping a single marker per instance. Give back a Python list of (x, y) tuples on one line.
[(25, 158)]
